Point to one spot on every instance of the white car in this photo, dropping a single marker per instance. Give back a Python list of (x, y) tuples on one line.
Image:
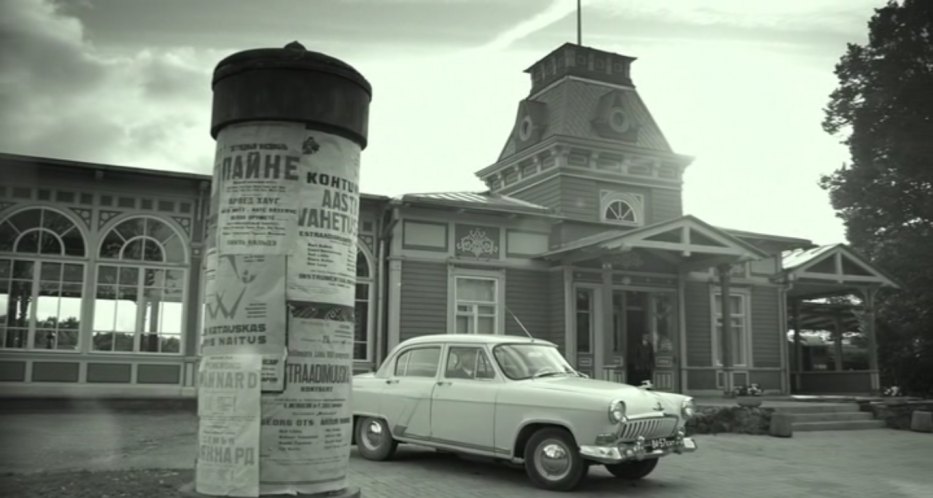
[(514, 399)]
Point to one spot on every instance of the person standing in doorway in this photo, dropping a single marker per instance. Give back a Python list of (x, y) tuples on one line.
[(643, 362)]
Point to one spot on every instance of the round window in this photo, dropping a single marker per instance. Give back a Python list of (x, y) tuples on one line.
[(617, 120), (524, 129)]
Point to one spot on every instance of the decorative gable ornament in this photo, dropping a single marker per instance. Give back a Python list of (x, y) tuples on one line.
[(612, 120), (628, 260), (477, 243)]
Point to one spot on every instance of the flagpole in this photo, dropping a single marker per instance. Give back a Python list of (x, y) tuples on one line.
[(579, 24)]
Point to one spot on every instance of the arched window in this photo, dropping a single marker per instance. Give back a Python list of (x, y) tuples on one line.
[(361, 337), (622, 208), (41, 278), (139, 300), (144, 239), (620, 211)]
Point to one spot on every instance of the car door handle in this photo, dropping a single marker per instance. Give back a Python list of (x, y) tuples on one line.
[(443, 382), (391, 381)]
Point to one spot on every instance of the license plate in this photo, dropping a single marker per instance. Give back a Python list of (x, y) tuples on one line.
[(659, 444)]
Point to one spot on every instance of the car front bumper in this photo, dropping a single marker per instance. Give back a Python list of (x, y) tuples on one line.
[(637, 450)]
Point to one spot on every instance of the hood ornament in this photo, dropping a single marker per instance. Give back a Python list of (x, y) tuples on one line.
[(659, 407)]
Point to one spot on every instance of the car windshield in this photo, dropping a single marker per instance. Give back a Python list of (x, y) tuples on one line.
[(526, 361)]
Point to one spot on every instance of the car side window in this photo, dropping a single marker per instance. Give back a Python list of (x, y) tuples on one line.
[(418, 362), (484, 368), (468, 363)]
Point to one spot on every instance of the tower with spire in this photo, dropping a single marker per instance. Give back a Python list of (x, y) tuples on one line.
[(585, 145)]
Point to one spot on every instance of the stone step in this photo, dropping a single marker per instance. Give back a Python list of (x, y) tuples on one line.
[(830, 416), (845, 425), (818, 408)]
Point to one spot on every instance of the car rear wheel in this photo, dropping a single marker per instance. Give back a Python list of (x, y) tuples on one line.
[(632, 470), (373, 439), (552, 460)]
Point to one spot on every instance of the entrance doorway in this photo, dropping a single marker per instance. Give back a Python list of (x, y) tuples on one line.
[(638, 314)]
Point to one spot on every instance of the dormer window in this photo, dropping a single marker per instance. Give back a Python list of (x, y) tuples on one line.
[(617, 120), (622, 208), (524, 129)]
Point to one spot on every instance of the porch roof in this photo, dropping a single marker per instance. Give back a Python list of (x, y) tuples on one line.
[(825, 316), (483, 201), (681, 241), (831, 270)]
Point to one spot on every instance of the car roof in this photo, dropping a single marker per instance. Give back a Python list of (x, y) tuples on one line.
[(476, 338)]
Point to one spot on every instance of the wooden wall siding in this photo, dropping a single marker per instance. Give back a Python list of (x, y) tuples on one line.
[(767, 379), (55, 371), (579, 198), (569, 231), (109, 372), (697, 309), (158, 374), (526, 295), (701, 379), (423, 299), (546, 193), (766, 336), (664, 205), (12, 371)]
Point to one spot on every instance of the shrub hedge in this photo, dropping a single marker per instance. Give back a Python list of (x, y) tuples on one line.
[(730, 419), (897, 413)]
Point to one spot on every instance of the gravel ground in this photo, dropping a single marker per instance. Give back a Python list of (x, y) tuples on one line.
[(145, 483), (151, 454)]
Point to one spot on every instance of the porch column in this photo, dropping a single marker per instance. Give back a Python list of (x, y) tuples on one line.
[(837, 341), (869, 295), (797, 362), (724, 341), (570, 323), (602, 342)]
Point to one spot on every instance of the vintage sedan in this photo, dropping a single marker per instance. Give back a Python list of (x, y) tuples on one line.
[(514, 399)]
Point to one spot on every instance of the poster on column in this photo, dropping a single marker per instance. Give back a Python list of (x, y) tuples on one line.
[(257, 176), (305, 432), (228, 425), (244, 310), (322, 262)]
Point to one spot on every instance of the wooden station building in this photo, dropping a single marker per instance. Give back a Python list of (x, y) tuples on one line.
[(579, 232)]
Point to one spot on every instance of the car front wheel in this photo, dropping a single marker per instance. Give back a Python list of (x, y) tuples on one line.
[(552, 460), (632, 470), (373, 439)]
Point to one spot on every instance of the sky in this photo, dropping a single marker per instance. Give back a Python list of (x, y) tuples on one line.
[(738, 84)]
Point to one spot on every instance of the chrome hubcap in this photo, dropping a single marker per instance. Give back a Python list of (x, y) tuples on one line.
[(552, 460), (373, 435)]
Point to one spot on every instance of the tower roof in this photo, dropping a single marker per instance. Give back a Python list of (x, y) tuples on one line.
[(583, 93), (576, 60)]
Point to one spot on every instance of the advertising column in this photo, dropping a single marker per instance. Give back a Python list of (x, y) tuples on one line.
[(277, 344)]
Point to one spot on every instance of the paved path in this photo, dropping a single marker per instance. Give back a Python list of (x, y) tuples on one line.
[(868, 463)]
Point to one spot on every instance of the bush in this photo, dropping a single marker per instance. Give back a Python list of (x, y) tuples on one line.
[(897, 413), (730, 419)]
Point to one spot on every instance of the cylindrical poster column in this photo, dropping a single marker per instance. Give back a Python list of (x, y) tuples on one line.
[(274, 414)]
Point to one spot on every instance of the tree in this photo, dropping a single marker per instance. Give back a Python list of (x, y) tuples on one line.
[(884, 109)]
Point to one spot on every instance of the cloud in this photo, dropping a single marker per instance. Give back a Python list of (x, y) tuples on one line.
[(786, 15), (556, 11), (60, 96)]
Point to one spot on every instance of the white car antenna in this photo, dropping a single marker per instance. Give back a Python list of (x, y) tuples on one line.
[(519, 322)]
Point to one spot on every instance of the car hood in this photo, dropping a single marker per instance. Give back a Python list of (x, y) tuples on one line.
[(638, 401)]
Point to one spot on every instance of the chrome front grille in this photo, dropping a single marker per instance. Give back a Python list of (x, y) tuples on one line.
[(650, 428)]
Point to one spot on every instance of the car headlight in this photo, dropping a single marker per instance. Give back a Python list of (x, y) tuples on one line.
[(687, 408), (616, 412)]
